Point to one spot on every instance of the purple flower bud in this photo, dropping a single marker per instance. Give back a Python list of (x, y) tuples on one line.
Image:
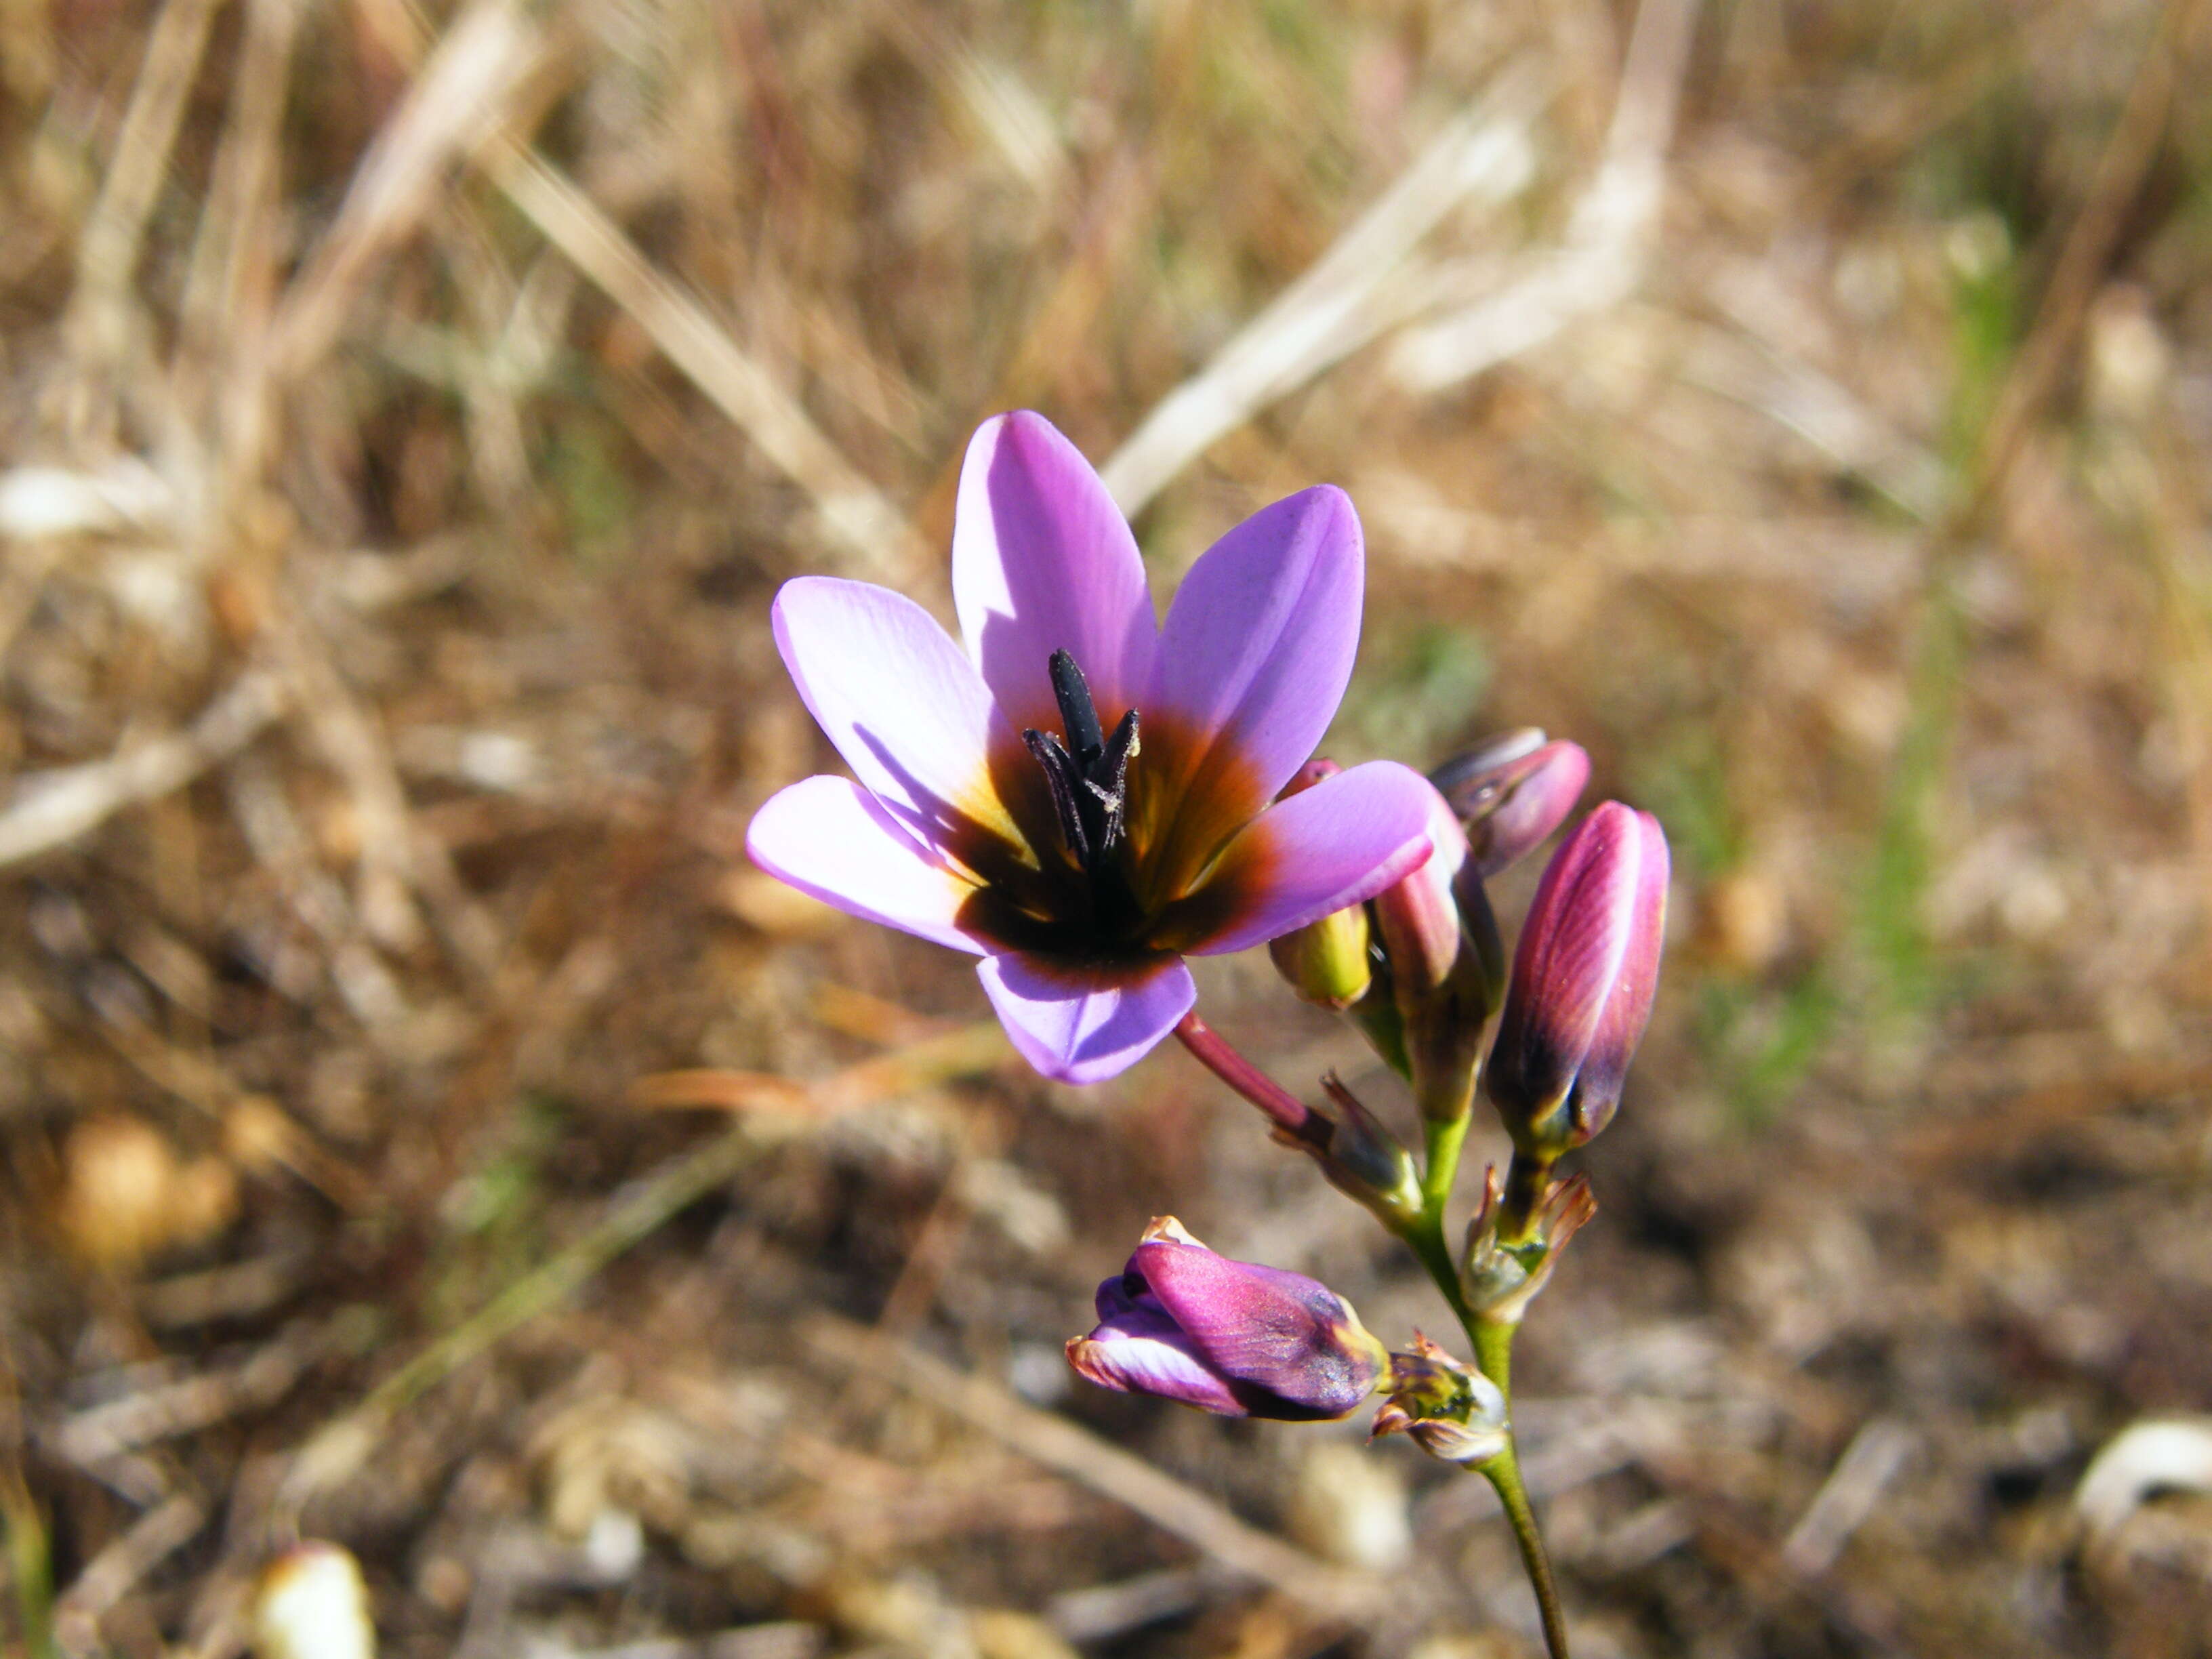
[(1512, 792), (1183, 1324), (1418, 915), (1440, 943), (1583, 973)]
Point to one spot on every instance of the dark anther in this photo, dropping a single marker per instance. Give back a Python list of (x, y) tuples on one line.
[(1088, 772), (1067, 786), (1079, 715)]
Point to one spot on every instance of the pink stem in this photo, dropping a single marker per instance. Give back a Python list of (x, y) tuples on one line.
[(1215, 1052)]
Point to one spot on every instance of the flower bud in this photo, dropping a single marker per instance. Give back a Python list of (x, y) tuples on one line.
[(1450, 1410), (1512, 792), (1440, 946), (1183, 1324), (1583, 974), (1325, 961)]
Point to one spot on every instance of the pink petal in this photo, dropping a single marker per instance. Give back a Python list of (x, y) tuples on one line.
[(1326, 848), (1258, 645), (905, 708), (1083, 1023), (829, 837), (1628, 1005), (1043, 561), (1146, 1365)]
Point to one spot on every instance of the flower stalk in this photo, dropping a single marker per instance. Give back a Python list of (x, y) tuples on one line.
[(1078, 794)]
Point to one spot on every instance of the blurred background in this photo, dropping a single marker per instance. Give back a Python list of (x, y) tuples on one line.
[(424, 1132)]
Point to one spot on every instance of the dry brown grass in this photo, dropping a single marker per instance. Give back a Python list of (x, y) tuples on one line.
[(424, 1132)]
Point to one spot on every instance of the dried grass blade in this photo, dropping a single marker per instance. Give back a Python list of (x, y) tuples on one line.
[(107, 251), (465, 91), (50, 809), (876, 537), (1337, 306), (1603, 256), (1058, 1445)]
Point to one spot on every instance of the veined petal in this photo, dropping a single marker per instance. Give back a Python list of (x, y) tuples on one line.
[(1276, 1330), (1258, 645), (1628, 1003), (904, 707), (1574, 942), (1083, 1023), (829, 837), (1043, 561), (1336, 844)]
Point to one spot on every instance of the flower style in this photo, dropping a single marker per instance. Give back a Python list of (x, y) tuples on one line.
[(1082, 797), (1585, 972), (1182, 1323)]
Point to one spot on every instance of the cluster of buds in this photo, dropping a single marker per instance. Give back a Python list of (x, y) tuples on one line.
[(1420, 966), (1420, 969)]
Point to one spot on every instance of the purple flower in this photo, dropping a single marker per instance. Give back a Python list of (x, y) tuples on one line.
[(1184, 1324), (1084, 796), (1583, 974)]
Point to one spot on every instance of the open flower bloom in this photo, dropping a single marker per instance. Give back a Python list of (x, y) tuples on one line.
[(1183, 1324), (1083, 796), (1585, 973)]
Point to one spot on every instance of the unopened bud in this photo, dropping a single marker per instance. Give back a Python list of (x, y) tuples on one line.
[(1181, 1322), (1452, 1410), (1326, 961), (1583, 973), (1512, 792), (311, 1604), (1439, 944)]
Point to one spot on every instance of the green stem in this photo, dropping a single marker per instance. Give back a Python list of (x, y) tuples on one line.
[(1504, 1474), (1493, 1351), (1441, 1167), (1424, 1237)]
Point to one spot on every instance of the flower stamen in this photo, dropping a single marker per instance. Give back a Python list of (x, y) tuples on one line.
[(1088, 772)]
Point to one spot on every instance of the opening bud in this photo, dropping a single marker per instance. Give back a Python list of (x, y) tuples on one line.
[(1583, 973), (1452, 1410), (1510, 1255), (1181, 1322), (1325, 962), (1512, 792)]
